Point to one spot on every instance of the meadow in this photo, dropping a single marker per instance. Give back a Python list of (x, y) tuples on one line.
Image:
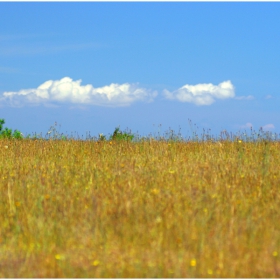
[(148, 209)]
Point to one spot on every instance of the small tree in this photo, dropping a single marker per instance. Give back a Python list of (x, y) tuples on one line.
[(7, 133), (119, 135)]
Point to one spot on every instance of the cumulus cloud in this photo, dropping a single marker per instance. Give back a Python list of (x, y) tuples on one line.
[(66, 90), (268, 127), (202, 94)]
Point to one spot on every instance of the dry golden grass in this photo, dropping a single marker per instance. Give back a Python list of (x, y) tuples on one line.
[(148, 209)]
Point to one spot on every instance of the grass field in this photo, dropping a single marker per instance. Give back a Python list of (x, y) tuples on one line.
[(139, 209)]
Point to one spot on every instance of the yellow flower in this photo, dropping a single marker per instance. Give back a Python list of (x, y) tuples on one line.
[(193, 262), (95, 263), (274, 254), (59, 257), (158, 220), (210, 271), (155, 191), (171, 171)]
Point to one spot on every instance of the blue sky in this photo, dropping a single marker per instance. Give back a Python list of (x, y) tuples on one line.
[(146, 66)]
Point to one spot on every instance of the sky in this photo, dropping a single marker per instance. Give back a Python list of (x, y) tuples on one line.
[(146, 67)]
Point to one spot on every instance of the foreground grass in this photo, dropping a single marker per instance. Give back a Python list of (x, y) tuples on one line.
[(150, 209)]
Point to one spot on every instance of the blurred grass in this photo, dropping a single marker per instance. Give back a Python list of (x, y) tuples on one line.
[(147, 209)]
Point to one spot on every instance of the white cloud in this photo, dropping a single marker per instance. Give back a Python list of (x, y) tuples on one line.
[(247, 125), (268, 127), (66, 90), (202, 94), (249, 97), (268, 96)]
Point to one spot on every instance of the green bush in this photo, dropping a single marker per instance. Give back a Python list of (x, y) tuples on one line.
[(119, 135), (7, 133)]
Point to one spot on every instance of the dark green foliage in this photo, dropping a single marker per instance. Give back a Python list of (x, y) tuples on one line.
[(7, 133), (119, 135)]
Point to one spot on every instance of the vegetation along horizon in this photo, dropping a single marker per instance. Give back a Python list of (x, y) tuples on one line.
[(126, 206)]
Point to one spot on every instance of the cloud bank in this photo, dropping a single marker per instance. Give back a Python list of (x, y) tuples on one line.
[(202, 94), (66, 90), (55, 92)]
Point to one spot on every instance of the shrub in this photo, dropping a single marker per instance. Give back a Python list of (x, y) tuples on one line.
[(119, 135), (7, 133)]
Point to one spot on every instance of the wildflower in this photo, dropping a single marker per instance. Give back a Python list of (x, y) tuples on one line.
[(210, 271), (57, 257), (239, 141), (6, 147), (95, 263), (17, 203), (158, 220), (171, 171), (193, 262), (155, 191), (275, 254)]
